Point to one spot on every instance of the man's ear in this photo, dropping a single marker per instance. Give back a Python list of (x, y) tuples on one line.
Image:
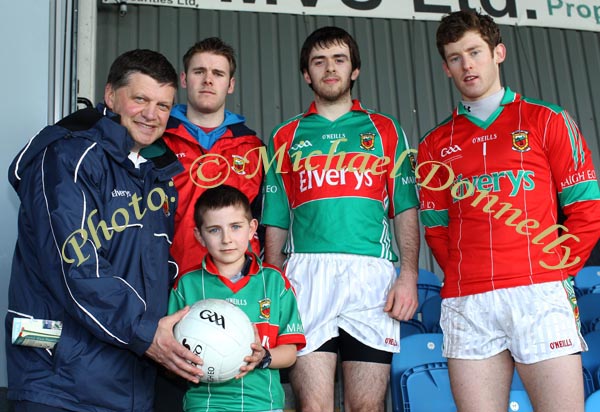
[(183, 80), (446, 69), (109, 96), (198, 236), (499, 53), (306, 76), (231, 85)]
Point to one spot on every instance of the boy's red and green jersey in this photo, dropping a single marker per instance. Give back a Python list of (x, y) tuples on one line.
[(334, 185), (267, 297), (490, 193)]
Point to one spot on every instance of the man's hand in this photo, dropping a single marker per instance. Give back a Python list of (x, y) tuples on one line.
[(402, 300), (166, 351)]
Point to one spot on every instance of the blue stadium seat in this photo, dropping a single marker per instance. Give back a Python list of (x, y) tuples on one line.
[(592, 403), (518, 400), (595, 325), (588, 382), (516, 383), (414, 350), (587, 278), (425, 292), (589, 310), (591, 358), (411, 327), (430, 313), (426, 388), (428, 278)]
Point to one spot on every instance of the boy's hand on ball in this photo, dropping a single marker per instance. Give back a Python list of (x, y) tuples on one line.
[(258, 353)]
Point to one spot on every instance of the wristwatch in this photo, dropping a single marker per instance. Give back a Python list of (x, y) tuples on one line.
[(266, 360)]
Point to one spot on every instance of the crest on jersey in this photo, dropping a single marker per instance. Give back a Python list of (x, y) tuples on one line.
[(367, 141), (238, 164), (265, 308), (520, 141), (165, 206), (413, 161)]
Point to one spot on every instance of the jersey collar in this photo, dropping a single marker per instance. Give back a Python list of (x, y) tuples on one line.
[(356, 107), (509, 97), (209, 265)]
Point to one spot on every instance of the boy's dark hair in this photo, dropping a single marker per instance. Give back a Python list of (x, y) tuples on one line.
[(453, 26), (326, 37), (218, 198), (212, 45), (148, 62)]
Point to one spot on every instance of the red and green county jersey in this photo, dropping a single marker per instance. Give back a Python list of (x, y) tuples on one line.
[(334, 185), (267, 297), (490, 193)]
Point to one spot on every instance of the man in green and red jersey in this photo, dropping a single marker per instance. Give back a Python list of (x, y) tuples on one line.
[(492, 177), (339, 173), (214, 145)]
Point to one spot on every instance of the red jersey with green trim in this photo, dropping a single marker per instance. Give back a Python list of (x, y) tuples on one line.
[(267, 297), (490, 193), (334, 185), (233, 160)]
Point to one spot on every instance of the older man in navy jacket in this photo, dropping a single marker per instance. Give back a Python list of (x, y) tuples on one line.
[(95, 225)]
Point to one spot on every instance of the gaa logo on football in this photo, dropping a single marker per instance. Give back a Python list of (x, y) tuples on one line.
[(213, 317)]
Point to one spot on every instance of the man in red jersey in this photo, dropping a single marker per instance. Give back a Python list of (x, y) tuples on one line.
[(492, 178), (214, 145)]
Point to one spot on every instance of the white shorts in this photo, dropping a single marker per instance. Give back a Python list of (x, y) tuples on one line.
[(534, 322), (345, 291)]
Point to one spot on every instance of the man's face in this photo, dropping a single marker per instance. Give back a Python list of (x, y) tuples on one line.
[(207, 82), (144, 106), (330, 72), (473, 67)]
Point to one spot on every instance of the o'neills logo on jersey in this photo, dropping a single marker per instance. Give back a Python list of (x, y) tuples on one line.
[(333, 136), (367, 141), (238, 164), (265, 308), (520, 141), (561, 344), (484, 138), (391, 342)]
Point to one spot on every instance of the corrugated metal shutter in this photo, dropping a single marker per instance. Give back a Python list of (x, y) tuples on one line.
[(401, 73)]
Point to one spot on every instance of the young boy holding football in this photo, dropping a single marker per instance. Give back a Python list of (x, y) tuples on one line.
[(224, 225)]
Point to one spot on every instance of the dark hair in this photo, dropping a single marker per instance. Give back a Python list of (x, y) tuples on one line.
[(143, 61), (326, 37), (212, 45), (218, 198), (455, 25)]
